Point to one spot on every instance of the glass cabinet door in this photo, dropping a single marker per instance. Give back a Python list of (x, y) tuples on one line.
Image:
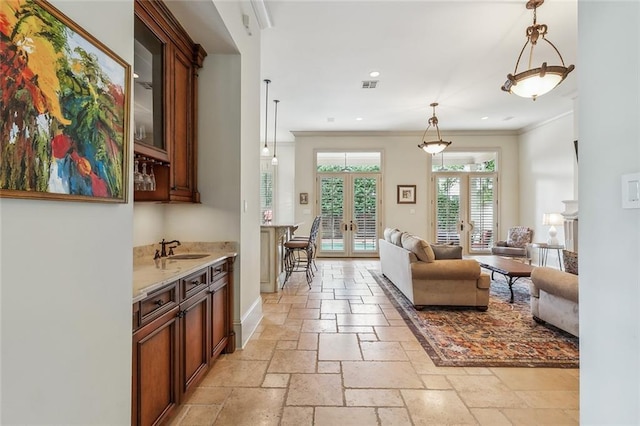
[(148, 80)]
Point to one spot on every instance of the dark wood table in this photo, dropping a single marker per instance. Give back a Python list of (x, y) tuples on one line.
[(510, 269)]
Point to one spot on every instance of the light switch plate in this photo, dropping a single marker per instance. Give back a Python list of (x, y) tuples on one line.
[(631, 191)]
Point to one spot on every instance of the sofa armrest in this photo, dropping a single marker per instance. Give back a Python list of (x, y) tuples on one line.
[(553, 281), (448, 269)]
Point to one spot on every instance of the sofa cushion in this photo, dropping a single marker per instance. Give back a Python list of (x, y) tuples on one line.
[(446, 251), (420, 247), (570, 260), (509, 251), (387, 233), (396, 237), (449, 269)]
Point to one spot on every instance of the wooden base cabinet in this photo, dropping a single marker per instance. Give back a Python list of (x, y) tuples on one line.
[(155, 369), (179, 331), (194, 327)]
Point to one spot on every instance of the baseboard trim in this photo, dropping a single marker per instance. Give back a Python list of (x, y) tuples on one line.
[(248, 323)]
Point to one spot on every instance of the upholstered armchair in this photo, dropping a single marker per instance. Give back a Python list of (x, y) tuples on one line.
[(516, 245)]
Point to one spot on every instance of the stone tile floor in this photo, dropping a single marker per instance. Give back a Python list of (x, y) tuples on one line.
[(340, 354)]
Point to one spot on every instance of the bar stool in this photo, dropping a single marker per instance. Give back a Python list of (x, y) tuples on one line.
[(300, 252), (314, 226)]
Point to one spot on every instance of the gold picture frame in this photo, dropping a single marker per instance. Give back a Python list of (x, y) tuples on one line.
[(65, 106)]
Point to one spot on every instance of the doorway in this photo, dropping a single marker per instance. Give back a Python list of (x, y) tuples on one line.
[(466, 202), (349, 204)]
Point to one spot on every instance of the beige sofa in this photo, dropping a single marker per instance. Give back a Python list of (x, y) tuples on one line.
[(554, 298), (427, 277)]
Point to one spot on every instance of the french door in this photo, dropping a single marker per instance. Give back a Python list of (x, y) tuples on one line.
[(465, 208), (349, 204)]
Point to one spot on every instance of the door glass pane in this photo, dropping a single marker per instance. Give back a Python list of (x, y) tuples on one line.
[(448, 209), (365, 214), (348, 162), (332, 212), (147, 67), (481, 212)]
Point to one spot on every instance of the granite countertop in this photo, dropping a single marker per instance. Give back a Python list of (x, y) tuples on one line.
[(150, 275)]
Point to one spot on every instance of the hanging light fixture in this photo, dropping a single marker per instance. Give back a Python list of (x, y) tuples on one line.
[(265, 149), (433, 147), (274, 160), (535, 82)]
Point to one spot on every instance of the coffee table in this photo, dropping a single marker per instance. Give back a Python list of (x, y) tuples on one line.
[(510, 269)]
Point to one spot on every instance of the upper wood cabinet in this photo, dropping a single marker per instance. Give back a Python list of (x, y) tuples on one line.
[(166, 103)]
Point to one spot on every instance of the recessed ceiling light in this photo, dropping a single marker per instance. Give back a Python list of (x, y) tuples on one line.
[(484, 118), (374, 74), (358, 118)]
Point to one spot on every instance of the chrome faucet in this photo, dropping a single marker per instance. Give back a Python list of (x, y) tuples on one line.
[(164, 244)]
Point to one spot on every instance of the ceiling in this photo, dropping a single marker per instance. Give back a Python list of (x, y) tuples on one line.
[(457, 53)]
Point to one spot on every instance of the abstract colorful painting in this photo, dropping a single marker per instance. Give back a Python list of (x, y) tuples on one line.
[(64, 108)]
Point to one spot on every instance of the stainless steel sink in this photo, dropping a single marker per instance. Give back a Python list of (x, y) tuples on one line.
[(187, 256)]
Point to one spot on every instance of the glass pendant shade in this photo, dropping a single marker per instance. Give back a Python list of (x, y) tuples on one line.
[(536, 82), (434, 147)]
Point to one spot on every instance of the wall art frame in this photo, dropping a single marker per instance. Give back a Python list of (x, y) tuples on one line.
[(64, 119), (304, 198), (406, 194)]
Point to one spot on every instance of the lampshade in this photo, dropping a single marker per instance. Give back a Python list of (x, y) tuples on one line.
[(265, 149), (436, 146), (536, 81), (552, 219)]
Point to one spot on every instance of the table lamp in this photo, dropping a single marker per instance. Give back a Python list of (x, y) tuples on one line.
[(552, 219)]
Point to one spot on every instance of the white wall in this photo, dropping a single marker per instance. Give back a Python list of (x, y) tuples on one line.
[(546, 165), (66, 288), (404, 163), (249, 309), (286, 197), (609, 243)]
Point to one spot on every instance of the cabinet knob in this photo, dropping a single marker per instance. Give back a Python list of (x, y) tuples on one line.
[(181, 314), (159, 302), (195, 282), (218, 269)]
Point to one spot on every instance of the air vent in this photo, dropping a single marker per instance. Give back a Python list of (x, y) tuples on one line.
[(146, 84), (369, 84)]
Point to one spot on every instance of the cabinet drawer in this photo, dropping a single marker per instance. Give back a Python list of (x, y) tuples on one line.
[(218, 270), (193, 283), (158, 303)]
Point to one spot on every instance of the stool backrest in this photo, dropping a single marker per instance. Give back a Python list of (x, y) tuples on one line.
[(315, 227)]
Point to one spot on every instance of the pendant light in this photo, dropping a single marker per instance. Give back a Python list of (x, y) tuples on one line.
[(535, 82), (274, 160), (436, 146), (265, 149)]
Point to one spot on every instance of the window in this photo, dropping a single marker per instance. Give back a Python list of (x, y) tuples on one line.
[(454, 161), (267, 181), (341, 162)]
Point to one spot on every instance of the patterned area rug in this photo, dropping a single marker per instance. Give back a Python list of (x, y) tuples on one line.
[(504, 336)]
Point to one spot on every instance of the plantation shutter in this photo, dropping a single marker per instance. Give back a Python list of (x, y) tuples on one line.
[(447, 209), (482, 203), (266, 191)]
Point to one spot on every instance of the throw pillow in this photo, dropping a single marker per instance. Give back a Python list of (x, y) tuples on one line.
[(519, 236), (446, 251), (570, 260), (419, 247), (396, 237), (387, 233)]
